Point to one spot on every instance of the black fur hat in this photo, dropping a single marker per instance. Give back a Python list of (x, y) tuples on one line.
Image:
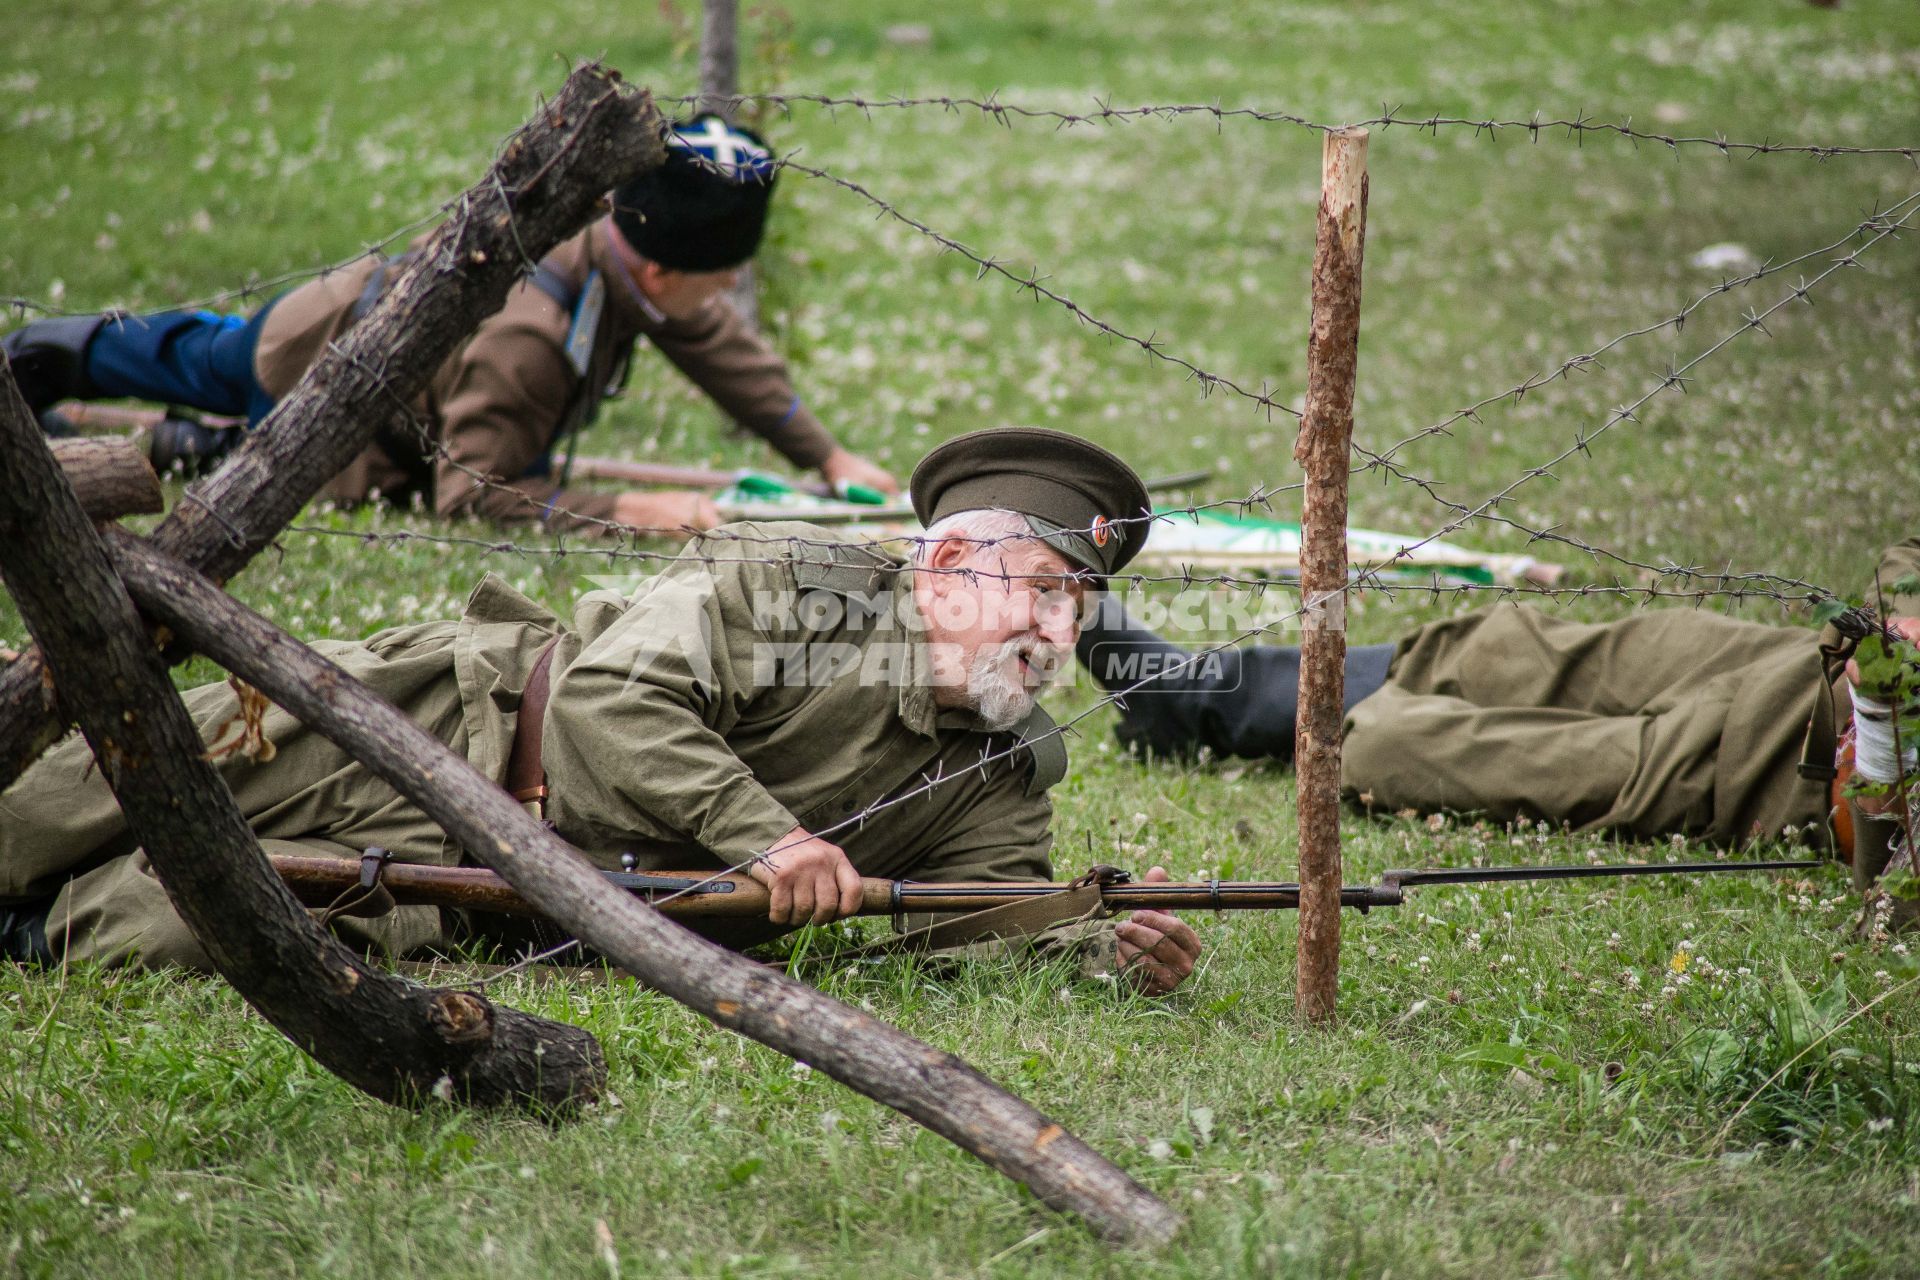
[(705, 207)]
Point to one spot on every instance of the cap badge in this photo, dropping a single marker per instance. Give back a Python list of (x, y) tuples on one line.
[(733, 153), (1101, 531)]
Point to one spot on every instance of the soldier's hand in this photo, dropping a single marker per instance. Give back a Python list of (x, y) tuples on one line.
[(665, 511), (809, 880), (1907, 628), (843, 468), (1157, 948)]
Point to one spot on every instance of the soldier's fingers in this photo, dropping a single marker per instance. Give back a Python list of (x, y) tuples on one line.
[(1181, 935), (802, 910), (780, 901), (850, 888), (826, 896), (1133, 933), (1150, 976)]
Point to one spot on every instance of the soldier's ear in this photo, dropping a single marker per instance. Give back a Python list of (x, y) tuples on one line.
[(947, 558)]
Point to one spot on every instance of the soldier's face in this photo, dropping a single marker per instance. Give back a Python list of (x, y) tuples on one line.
[(1001, 622), (681, 295)]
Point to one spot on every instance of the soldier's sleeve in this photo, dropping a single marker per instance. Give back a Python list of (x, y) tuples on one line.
[(508, 391), (730, 361), (1897, 563), (636, 730)]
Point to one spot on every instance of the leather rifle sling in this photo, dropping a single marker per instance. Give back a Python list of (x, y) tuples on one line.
[(1022, 919), (526, 776)]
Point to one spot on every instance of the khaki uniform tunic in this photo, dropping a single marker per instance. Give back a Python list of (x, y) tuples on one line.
[(500, 400), (662, 738), (1671, 722)]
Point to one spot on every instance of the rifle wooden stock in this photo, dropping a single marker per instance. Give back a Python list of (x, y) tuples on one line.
[(89, 416)]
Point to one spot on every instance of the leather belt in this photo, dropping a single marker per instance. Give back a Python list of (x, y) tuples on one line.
[(526, 776)]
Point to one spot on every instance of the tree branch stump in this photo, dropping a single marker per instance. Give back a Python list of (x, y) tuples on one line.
[(549, 180), (111, 478), (399, 1042), (1324, 450), (938, 1089)]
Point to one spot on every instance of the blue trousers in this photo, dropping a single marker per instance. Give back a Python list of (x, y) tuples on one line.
[(192, 358)]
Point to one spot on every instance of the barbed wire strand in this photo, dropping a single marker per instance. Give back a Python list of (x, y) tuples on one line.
[(1674, 379), (1577, 127)]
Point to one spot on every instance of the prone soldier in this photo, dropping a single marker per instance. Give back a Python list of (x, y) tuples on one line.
[(656, 268), (797, 702), (1671, 722)]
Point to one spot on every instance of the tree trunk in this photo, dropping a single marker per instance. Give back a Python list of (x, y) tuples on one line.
[(549, 181), (111, 478), (719, 85), (1324, 450), (399, 1042), (935, 1088)]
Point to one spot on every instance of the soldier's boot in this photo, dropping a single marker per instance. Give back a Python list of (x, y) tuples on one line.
[(49, 359), (1876, 838), (188, 446), (1234, 702), (23, 933)]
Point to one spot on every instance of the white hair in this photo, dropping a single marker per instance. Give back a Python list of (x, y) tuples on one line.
[(980, 526)]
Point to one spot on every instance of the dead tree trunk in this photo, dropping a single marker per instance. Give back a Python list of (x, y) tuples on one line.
[(548, 181), (111, 478), (1324, 447), (397, 1041), (935, 1088)]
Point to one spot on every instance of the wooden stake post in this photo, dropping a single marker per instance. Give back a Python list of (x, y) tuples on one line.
[(1323, 451)]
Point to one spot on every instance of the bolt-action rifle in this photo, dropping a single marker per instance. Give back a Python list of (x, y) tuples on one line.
[(323, 882)]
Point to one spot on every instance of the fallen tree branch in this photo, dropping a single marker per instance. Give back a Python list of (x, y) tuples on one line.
[(111, 478), (397, 1041), (549, 180), (938, 1089)]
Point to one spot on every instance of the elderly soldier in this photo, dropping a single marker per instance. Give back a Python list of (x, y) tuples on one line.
[(1671, 722), (779, 696), (656, 268)]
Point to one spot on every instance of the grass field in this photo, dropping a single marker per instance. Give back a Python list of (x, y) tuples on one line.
[(1656, 1079)]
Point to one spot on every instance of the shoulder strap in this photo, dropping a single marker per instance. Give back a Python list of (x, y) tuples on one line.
[(845, 570), (1046, 749), (554, 285)]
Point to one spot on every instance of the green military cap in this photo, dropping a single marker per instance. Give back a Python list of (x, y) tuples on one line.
[(1083, 502)]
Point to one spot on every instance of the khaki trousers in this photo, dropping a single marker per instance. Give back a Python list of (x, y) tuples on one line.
[(1671, 722), (61, 831)]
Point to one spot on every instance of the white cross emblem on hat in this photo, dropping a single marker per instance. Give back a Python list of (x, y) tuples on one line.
[(731, 152)]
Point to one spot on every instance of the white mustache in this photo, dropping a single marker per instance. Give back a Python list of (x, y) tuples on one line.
[(1044, 659)]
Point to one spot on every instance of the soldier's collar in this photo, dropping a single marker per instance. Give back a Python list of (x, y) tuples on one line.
[(627, 293), (917, 709)]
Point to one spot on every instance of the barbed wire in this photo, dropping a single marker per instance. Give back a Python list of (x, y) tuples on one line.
[(1738, 587), (1033, 282), (1591, 358), (1578, 127), (1674, 379), (20, 306)]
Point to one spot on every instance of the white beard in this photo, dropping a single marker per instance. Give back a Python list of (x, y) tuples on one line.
[(995, 689)]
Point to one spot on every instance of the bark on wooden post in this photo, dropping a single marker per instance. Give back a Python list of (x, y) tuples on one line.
[(719, 85), (112, 478), (397, 1041), (549, 179), (940, 1090), (1323, 450)]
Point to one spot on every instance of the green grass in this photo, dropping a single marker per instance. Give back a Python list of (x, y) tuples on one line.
[(155, 154)]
